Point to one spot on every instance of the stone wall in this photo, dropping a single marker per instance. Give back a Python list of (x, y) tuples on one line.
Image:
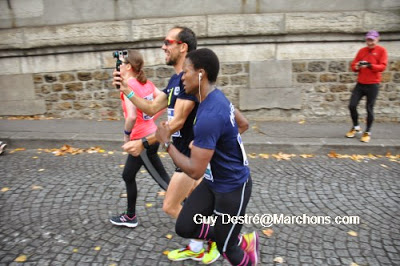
[(63, 49), (90, 94), (319, 90)]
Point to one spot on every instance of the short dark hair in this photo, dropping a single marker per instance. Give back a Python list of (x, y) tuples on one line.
[(187, 36), (206, 59)]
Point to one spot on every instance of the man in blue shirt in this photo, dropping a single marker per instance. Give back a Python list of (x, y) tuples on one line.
[(218, 152)]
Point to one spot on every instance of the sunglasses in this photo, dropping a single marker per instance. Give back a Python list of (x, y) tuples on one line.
[(169, 42)]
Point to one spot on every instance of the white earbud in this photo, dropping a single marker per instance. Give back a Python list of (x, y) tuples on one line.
[(200, 75)]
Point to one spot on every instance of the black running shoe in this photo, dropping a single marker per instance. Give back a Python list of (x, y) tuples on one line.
[(124, 220)]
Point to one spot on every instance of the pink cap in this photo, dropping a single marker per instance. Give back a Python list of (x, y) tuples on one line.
[(372, 34)]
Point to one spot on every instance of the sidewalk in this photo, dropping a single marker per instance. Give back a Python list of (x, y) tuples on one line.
[(262, 137)]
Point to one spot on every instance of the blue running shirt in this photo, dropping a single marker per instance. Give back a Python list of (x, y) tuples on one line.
[(175, 90), (216, 129)]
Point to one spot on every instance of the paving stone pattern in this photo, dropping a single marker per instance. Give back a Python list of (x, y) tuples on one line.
[(59, 215)]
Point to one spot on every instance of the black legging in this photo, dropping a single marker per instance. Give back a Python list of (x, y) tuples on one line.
[(133, 165), (371, 92), (206, 202)]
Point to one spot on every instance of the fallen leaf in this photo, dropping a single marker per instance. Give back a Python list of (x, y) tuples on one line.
[(21, 258), (110, 152), (41, 170), (353, 264), (161, 193), (268, 232), (34, 187), (283, 156), (352, 233), (385, 166), (17, 149), (169, 236), (252, 155), (97, 248), (75, 250), (166, 252), (35, 157), (306, 155), (148, 205), (5, 189), (264, 155), (279, 260), (143, 171), (123, 195), (333, 154), (122, 165), (302, 122)]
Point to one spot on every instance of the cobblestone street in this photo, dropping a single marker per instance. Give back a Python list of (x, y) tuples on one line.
[(55, 210)]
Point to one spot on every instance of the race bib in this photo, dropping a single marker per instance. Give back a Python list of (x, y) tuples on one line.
[(146, 116), (208, 174), (177, 134)]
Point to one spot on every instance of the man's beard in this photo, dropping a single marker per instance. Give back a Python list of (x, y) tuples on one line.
[(171, 62)]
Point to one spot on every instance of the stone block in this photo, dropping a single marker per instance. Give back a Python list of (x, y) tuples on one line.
[(37, 78), (74, 86), (348, 78), (396, 77), (22, 107), (20, 84), (68, 96), (328, 77), (306, 78), (282, 98), (330, 97), (394, 65), (57, 87), (101, 75), (270, 74), (382, 20), (77, 34), (156, 28), (338, 66), (239, 80), (66, 77), (50, 78), (245, 24), (317, 66), (348, 22), (321, 88), (164, 72), (244, 53), (231, 68), (299, 67), (222, 81), (338, 88), (386, 77), (94, 85)]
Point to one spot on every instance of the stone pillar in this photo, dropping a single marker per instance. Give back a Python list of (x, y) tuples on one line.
[(18, 96), (270, 85)]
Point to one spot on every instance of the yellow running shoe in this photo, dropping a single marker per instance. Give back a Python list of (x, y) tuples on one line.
[(250, 245), (366, 137), (353, 132), (212, 253), (185, 254)]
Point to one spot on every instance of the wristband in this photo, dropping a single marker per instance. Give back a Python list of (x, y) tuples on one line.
[(127, 132), (166, 146), (130, 95)]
